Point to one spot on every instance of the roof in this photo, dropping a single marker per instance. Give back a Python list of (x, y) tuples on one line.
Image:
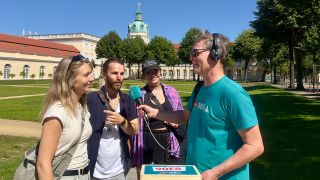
[(10, 43), (176, 47)]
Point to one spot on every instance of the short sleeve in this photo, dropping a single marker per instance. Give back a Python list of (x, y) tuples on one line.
[(242, 112), (57, 111)]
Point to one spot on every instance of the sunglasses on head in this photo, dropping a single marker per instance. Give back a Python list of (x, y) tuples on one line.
[(77, 58), (196, 52)]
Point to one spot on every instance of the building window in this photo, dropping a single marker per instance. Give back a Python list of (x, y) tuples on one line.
[(41, 73), (164, 73), (191, 74), (178, 73), (184, 74), (6, 72), (25, 71), (131, 73), (238, 74), (170, 73)]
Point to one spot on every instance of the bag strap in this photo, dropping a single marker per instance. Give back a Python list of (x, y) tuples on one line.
[(104, 100), (196, 90), (59, 163), (155, 100), (64, 160)]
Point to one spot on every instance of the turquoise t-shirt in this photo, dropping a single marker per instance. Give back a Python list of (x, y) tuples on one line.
[(217, 113)]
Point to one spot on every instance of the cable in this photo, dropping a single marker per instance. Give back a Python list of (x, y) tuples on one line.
[(172, 152)]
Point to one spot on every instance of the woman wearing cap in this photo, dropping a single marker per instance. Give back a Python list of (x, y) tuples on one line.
[(155, 94)]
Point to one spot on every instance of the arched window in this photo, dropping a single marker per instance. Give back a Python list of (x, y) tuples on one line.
[(41, 73), (164, 73), (25, 71), (6, 72)]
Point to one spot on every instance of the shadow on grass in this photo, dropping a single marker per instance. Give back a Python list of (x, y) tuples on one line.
[(290, 127)]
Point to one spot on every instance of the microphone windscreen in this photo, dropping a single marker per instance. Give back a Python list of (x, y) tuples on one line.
[(134, 93)]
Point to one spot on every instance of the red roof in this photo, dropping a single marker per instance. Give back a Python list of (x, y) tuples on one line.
[(16, 44), (176, 47)]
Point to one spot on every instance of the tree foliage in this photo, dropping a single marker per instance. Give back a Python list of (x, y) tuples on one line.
[(246, 47), (109, 46), (186, 45), (162, 50), (133, 50)]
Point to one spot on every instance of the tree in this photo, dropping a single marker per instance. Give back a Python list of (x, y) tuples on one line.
[(162, 50), (288, 20), (186, 45), (246, 48), (133, 52), (109, 46), (32, 76)]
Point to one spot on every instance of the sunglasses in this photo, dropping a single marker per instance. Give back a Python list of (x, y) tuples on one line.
[(76, 59), (196, 52)]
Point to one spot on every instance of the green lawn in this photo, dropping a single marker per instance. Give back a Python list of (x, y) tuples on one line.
[(290, 127), (11, 154), (9, 90), (28, 108), (289, 124)]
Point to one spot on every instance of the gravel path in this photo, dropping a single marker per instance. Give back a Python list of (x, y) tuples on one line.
[(20, 128)]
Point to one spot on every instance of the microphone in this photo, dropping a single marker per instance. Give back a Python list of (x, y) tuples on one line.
[(135, 95)]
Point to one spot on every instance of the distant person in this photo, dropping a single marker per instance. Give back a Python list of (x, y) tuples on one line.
[(223, 130), (161, 96), (113, 118), (65, 119)]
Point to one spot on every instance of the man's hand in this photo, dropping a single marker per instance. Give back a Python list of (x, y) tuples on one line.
[(210, 174), (113, 118)]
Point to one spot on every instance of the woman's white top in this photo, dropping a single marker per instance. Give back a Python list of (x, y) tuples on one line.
[(71, 133)]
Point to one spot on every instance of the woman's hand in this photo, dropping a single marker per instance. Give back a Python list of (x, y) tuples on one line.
[(151, 112)]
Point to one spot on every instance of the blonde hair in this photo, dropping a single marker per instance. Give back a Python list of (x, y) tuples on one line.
[(61, 87)]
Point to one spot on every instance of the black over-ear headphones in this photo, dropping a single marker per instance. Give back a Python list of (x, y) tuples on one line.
[(216, 51)]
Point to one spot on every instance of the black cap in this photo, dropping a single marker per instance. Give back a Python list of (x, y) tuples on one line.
[(149, 65)]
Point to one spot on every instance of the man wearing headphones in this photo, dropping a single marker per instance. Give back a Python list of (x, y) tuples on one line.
[(223, 128)]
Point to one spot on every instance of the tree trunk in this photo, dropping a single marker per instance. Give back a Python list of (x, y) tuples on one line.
[(291, 64), (275, 80), (299, 75)]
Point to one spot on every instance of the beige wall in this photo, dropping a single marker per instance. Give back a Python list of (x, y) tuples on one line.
[(18, 61)]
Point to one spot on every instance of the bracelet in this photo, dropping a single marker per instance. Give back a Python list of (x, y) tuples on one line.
[(123, 122)]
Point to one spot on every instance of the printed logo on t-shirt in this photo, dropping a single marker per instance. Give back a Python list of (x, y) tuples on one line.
[(201, 106)]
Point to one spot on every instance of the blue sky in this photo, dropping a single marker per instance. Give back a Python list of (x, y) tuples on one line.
[(167, 18)]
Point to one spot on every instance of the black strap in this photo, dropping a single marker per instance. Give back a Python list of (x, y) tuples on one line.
[(156, 101), (196, 91), (104, 100)]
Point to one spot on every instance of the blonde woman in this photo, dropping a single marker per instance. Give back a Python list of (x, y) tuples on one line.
[(65, 119)]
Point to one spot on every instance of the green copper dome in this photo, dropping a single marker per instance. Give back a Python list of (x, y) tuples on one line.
[(138, 26)]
